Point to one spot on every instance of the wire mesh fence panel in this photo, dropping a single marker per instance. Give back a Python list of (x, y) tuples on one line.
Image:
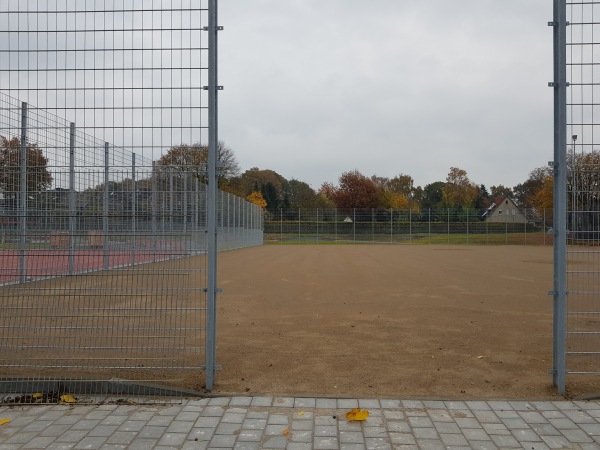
[(240, 223), (390, 226), (583, 189), (104, 205)]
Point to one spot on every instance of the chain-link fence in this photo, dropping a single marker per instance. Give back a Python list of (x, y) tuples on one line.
[(440, 226)]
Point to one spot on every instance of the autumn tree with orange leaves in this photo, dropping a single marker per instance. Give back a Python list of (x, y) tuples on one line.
[(257, 198)]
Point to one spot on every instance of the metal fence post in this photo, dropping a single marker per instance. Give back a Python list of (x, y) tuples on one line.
[(409, 224), (211, 326), (171, 199), (105, 208), (23, 195), (373, 224), (429, 221), (154, 207), (560, 195), (354, 224), (162, 215), (196, 206), (336, 223), (317, 225), (513, 228), (525, 213), (133, 208), (72, 217), (467, 226), (448, 225), (391, 225), (185, 200)]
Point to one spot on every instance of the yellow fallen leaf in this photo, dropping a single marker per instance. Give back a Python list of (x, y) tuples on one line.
[(286, 432), (37, 395), (300, 413), (67, 398), (3, 421), (357, 415)]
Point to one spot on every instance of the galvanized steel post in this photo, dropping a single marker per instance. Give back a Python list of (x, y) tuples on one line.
[(560, 194), (211, 330), (23, 195), (133, 208), (196, 203), (171, 199), (72, 216), (410, 224), (448, 225), (154, 209), (185, 205), (429, 225), (105, 207)]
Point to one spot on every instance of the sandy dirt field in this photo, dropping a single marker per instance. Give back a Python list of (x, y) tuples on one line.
[(387, 321)]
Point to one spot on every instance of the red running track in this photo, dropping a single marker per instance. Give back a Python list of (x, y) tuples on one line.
[(48, 263)]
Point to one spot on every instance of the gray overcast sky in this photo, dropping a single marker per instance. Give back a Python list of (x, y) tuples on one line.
[(314, 88)]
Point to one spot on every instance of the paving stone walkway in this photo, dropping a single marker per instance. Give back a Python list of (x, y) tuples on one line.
[(303, 423)]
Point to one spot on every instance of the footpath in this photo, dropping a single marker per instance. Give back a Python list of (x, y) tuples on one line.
[(302, 423)]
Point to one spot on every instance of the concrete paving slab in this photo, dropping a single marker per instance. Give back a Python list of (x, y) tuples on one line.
[(304, 423)]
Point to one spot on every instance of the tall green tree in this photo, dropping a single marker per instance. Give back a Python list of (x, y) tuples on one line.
[(301, 195), (433, 194), (271, 196), (501, 190)]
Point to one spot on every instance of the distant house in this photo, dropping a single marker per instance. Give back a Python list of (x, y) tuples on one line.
[(504, 210)]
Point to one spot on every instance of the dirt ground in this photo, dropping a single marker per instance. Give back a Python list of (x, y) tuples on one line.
[(387, 321)]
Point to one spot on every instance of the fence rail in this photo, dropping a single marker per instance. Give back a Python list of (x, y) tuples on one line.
[(528, 227)]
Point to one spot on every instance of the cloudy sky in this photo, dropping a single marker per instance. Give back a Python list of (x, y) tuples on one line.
[(314, 88)]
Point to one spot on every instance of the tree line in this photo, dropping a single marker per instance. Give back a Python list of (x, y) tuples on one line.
[(353, 189)]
